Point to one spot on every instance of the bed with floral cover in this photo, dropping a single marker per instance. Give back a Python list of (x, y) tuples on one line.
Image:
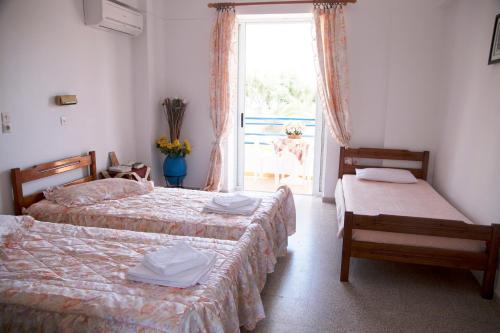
[(177, 211), (61, 277)]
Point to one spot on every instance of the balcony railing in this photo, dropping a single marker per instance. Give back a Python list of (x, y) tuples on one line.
[(262, 130)]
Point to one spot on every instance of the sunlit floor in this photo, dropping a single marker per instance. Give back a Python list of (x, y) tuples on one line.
[(268, 184)]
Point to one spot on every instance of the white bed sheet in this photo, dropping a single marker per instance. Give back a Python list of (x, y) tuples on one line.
[(364, 197)]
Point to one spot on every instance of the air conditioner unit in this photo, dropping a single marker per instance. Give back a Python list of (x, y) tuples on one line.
[(109, 15)]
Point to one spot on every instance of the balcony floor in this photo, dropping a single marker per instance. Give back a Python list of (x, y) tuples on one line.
[(267, 183)]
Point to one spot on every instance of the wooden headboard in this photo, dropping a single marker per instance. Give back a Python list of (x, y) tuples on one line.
[(347, 163), (19, 177)]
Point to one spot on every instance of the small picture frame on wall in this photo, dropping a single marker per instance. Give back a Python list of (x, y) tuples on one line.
[(495, 43)]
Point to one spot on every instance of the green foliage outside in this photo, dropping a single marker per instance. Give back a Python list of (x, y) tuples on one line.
[(279, 95)]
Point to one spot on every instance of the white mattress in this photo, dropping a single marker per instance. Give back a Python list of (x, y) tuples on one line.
[(365, 197)]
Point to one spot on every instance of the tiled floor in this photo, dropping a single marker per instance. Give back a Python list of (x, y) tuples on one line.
[(304, 293)]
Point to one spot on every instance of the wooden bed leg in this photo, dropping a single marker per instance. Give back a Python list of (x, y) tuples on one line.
[(344, 268), (487, 289), (346, 247)]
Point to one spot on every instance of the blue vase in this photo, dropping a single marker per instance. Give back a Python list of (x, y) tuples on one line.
[(174, 170)]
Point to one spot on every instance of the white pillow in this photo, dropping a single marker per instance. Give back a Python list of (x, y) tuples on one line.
[(386, 175), (96, 191)]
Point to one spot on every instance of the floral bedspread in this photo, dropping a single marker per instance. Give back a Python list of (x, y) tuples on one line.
[(179, 212), (60, 277)]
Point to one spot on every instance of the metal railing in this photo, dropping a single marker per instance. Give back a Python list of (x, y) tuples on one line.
[(264, 129)]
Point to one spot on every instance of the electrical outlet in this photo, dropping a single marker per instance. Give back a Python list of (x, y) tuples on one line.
[(64, 120), (6, 123)]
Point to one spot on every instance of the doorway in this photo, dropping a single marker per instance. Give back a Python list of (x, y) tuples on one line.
[(280, 126)]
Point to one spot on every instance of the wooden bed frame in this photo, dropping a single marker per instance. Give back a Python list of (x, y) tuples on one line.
[(484, 261), (19, 177)]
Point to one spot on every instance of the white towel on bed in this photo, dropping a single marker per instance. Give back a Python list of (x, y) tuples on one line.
[(175, 259), (184, 279), (212, 207), (233, 200)]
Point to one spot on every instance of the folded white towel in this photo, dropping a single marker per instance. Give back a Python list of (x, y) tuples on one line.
[(233, 200), (175, 259), (247, 210), (186, 279)]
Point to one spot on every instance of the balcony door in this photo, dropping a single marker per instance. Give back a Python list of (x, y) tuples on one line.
[(279, 130)]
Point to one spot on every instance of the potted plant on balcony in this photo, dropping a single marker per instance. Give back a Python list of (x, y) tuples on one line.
[(294, 131)]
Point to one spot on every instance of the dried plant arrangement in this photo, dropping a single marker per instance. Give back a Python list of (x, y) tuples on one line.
[(174, 109)]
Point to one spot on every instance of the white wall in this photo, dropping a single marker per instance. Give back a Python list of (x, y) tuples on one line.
[(147, 106), (46, 50), (182, 36), (390, 105), (468, 155), (158, 66), (415, 76)]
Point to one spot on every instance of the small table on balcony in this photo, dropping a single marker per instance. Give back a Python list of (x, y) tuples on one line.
[(299, 148)]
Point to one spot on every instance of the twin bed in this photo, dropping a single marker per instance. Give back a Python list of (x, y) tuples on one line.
[(64, 278), (408, 223)]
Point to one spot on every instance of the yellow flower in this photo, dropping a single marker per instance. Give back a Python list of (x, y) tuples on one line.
[(162, 141), (175, 147), (188, 146)]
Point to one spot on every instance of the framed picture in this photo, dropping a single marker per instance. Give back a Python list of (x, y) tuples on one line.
[(495, 43)]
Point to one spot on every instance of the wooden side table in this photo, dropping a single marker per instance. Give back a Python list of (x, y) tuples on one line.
[(135, 174)]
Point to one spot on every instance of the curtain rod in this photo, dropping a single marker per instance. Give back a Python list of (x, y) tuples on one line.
[(263, 3)]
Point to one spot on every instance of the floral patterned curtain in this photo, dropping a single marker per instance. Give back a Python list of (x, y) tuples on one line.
[(331, 67), (221, 65)]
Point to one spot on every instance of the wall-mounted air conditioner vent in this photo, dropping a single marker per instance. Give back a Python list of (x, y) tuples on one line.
[(109, 15)]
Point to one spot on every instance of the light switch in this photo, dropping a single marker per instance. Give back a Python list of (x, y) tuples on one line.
[(64, 121), (6, 123)]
